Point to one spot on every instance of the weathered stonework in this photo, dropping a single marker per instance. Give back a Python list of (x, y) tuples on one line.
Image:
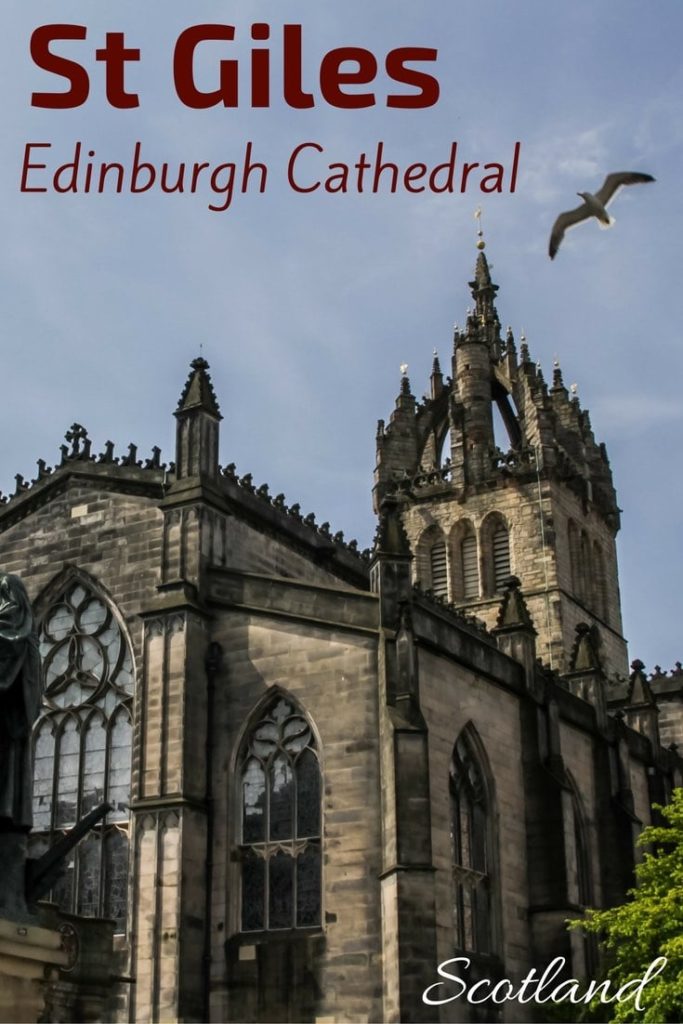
[(232, 600)]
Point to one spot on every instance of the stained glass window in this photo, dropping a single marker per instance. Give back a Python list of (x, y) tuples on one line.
[(280, 786), (471, 842), (82, 749)]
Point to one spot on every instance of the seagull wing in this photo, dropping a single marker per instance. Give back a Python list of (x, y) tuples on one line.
[(565, 221), (613, 182)]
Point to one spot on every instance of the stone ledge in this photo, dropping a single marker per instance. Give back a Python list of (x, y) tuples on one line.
[(29, 956)]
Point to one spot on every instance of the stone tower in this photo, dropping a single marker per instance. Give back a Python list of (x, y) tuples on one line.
[(540, 504)]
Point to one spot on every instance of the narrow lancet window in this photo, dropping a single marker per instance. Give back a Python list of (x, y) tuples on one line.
[(439, 568), (470, 569), (501, 557), (472, 853)]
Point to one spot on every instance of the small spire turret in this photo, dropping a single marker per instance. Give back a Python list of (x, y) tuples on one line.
[(484, 290), (436, 379), (558, 383), (197, 429)]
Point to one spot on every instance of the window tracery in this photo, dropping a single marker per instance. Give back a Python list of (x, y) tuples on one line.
[(472, 855), (280, 797), (82, 748)]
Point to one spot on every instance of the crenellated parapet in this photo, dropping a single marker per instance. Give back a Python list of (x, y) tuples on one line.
[(259, 500)]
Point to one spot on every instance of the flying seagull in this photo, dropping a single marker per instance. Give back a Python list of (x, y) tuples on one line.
[(594, 205)]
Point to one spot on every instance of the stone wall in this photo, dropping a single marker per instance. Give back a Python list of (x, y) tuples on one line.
[(546, 576), (453, 697), (331, 671)]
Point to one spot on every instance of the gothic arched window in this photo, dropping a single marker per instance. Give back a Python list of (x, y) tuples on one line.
[(575, 558), (438, 563), (580, 882), (495, 542), (470, 568), (280, 799), (500, 543), (82, 748), (472, 850), (464, 560), (586, 570), (599, 582)]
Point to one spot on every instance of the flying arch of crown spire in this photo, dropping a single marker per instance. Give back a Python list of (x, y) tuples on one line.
[(494, 443)]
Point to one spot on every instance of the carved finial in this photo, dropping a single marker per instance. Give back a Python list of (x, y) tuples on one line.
[(513, 611), (639, 691), (155, 461), (390, 536), (585, 655), (77, 436), (131, 459), (558, 383), (198, 391), (107, 455), (405, 382)]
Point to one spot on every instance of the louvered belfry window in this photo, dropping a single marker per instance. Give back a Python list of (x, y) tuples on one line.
[(501, 557), (470, 568), (281, 791), (82, 750), (439, 568)]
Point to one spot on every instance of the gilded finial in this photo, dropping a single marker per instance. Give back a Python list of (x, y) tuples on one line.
[(481, 244), (404, 369)]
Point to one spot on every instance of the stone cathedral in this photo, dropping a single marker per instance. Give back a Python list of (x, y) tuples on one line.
[(329, 770)]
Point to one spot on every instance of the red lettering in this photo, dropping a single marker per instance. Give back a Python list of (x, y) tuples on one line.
[(292, 162), (332, 77), (293, 69), (30, 167), (115, 55), (76, 75), (183, 70), (260, 68), (428, 85)]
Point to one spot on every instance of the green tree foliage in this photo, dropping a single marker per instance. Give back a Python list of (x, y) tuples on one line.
[(648, 926)]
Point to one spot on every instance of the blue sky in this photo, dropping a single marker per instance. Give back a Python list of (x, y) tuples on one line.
[(306, 305)]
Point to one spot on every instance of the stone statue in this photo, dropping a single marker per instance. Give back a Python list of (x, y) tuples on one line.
[(20, 695)]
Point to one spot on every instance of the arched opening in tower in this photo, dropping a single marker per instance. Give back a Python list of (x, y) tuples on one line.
[(444, 450), (507, 433)]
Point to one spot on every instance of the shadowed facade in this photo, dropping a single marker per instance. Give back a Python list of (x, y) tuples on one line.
[(332, 770)]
